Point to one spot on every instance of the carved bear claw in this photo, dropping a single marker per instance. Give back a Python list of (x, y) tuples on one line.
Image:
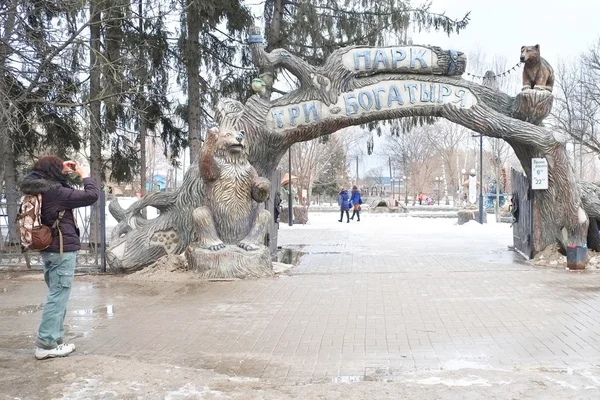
[(216, 247), (247, 246)]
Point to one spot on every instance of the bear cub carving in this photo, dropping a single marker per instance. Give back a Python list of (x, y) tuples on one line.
[(537, 74)]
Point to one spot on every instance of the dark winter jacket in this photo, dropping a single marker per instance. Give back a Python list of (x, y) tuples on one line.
[(356, 198), (57, 197), (344, 200)]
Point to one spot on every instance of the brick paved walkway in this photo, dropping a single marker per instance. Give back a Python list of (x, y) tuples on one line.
[(376, 299)]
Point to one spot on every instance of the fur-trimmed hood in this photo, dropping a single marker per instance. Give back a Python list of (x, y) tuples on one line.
[(36, 183)]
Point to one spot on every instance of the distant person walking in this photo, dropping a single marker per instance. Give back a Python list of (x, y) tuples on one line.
[(344, 203), (59, 199), (356, 200)]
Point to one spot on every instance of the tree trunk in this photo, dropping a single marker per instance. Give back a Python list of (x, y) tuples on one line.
[(12, 195), (95, 90), (8, 169), (497, 208), (95, 111), (143, 158), (192, 63), (142, 113)]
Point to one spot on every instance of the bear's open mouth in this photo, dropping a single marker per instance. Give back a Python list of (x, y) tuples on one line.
[(236, 146)]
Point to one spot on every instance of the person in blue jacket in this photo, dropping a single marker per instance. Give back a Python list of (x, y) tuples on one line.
[(356, 200), (344, 203)]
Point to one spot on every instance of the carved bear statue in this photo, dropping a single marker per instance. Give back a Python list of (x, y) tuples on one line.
[(232, 190), (537, 74)]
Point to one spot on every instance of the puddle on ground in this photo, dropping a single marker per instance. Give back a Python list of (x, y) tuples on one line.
[(108, 311), (289, 256), (587, 289), (501, 256), (348, 379), (23, 310)]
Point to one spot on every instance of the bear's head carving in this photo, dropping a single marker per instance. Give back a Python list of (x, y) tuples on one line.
[(530, 54), (227, 143)]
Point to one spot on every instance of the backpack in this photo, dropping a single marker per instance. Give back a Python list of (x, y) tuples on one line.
[(36, 236)]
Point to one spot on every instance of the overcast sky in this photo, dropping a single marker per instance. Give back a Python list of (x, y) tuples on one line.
[(563, 29), (501, 28)]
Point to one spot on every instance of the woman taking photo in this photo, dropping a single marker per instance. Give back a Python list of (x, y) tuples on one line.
[(49, 178)]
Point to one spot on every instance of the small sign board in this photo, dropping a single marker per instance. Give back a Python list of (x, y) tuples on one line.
[(539, 174)]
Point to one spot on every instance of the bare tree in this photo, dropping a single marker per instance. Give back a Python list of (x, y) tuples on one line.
[(309, 159), (447, 141), (414, 154)]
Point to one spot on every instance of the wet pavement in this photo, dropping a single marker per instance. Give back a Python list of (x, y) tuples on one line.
[(411, 303)]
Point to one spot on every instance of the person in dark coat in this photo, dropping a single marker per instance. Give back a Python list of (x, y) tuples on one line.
[(344, 203), (49, 177), (356, 200), (277, 206)]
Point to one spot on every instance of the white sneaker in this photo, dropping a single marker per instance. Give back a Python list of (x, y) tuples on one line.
[(71, 345), (62, 350)]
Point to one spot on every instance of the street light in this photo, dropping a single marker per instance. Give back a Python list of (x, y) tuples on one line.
[(405, 178), (480, 177), (290, 200), (438, 180)]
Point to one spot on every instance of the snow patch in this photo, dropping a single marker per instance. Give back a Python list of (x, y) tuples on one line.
[(88, 388), (455, 365), (189, 390), (562, 383), (464, 382)]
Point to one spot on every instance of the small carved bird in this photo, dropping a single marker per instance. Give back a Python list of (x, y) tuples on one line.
[(258, 86)]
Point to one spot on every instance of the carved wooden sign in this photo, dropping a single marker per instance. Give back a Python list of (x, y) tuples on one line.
[(397, 59), (404, 59), (378, 98)]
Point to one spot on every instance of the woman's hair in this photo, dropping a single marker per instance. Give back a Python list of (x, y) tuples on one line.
[(51, 167), (354, 187)]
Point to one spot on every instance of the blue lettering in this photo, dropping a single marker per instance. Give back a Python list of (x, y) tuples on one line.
[(294, 113), (411, 87), (351, 108), (366, 54), (380, 58), (394, 95), (376, 92), (277, 115), (445, 91), (420, 56), (462, 95), (427, 95), (368, 103), (397, 56), (308, 109)]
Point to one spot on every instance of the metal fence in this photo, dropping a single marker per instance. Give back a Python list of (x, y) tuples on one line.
[(91, 222)]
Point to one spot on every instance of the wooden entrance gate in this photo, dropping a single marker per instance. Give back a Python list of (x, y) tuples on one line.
[(522, 209)]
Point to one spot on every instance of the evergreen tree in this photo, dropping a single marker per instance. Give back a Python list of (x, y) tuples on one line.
[(312, 30), (212, 63)]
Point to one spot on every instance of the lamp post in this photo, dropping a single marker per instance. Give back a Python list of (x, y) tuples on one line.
[(405, 178), (290, 205), (480, 176), (437, 188)]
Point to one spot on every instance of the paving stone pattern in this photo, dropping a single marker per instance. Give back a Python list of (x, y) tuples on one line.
[(386, 294)]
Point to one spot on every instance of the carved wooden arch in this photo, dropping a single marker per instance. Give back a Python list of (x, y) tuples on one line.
[(357, 85)]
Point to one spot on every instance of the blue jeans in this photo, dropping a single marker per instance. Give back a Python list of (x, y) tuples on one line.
[(58, 273)]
